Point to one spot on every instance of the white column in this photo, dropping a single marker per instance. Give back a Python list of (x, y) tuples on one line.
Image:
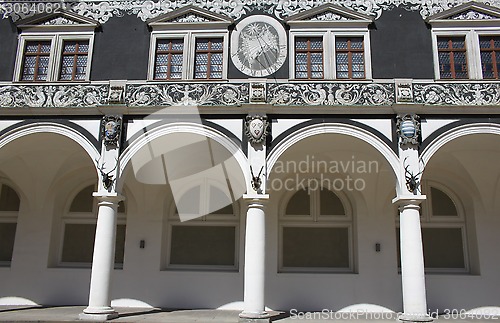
[(412, 260), (103, 261), (255, 255)]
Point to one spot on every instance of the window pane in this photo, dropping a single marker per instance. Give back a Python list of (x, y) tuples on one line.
[(120, 243), (443, 248), (7, 237), (83, 201), (316, 247), (78, 244), (442, 204), (9, 200), (203, 245), (330, 203), (190, 201), (299, 204), (74, 60), (309, 57)]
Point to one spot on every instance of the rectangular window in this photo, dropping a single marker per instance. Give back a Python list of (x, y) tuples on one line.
[(452, 58), (314, 247), (349, 57), (36, 60), (490, 56), (74, 59), (7, 236), (208, 58), (203, 245), (78, 243), (168, 59), (309, 58)]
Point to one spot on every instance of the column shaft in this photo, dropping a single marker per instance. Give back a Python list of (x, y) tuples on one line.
[(255, 254)]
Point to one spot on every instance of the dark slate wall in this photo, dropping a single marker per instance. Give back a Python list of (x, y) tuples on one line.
[(8, 48), (121, 50), (401, 46)]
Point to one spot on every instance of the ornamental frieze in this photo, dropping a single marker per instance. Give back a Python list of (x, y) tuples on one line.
[(464, 94), (47, 96), (102, 10), (202, 94), (331, 94)]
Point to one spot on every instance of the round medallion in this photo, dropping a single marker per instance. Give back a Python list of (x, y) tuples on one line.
[(258, 46)]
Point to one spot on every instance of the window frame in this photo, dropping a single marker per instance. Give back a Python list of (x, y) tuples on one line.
[(220, 220), (316, 220), (428, 220), (10, 217), (473, 50), (189, 53), (57, 40), (329, 52), (81, 218)]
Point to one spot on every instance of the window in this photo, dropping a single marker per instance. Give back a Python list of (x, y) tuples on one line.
[(444, 235), (452, 58), (490, 56), (330, 42), (78, 231), (168, 59), (316, 233), (9, 208), (206, 242), (309, 58), (191, 55), (54, 57), (349, 56), (466, 41), (189, 43)]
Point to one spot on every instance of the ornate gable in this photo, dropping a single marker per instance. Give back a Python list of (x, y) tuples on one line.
[(61, 20), (471, 13), (330, 15), (189, 15)]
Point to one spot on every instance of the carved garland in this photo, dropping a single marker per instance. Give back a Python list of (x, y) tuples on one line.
[(145, 9)]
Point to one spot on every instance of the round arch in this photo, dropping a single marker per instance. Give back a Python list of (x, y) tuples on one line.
[(460, 131), (55, 128), (184, 127), (336, 128)]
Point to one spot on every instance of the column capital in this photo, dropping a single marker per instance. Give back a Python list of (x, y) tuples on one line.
[(112, 197), (258, 199), (407, 200)]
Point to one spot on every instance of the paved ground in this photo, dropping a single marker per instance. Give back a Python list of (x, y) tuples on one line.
[(70, 314)]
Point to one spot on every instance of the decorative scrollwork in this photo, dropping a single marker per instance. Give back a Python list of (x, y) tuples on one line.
[(457, 94), (102, 10), (61, 96), (187, 94), (332, 94)]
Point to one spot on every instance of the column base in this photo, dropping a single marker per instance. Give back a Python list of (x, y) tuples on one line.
[(415, 318), (263, 317), (98, 314)]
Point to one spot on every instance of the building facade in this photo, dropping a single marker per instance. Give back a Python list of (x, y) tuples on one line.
[(285, 155)]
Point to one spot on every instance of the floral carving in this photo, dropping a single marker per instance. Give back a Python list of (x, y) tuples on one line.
[(102, 10), (332, 94), (63, 96), (187, 94), (457, 94)]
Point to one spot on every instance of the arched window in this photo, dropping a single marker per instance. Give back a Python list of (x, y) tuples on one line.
[(316, 233), (9, 209), (78, 231), (199, 239), (444, 232)]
